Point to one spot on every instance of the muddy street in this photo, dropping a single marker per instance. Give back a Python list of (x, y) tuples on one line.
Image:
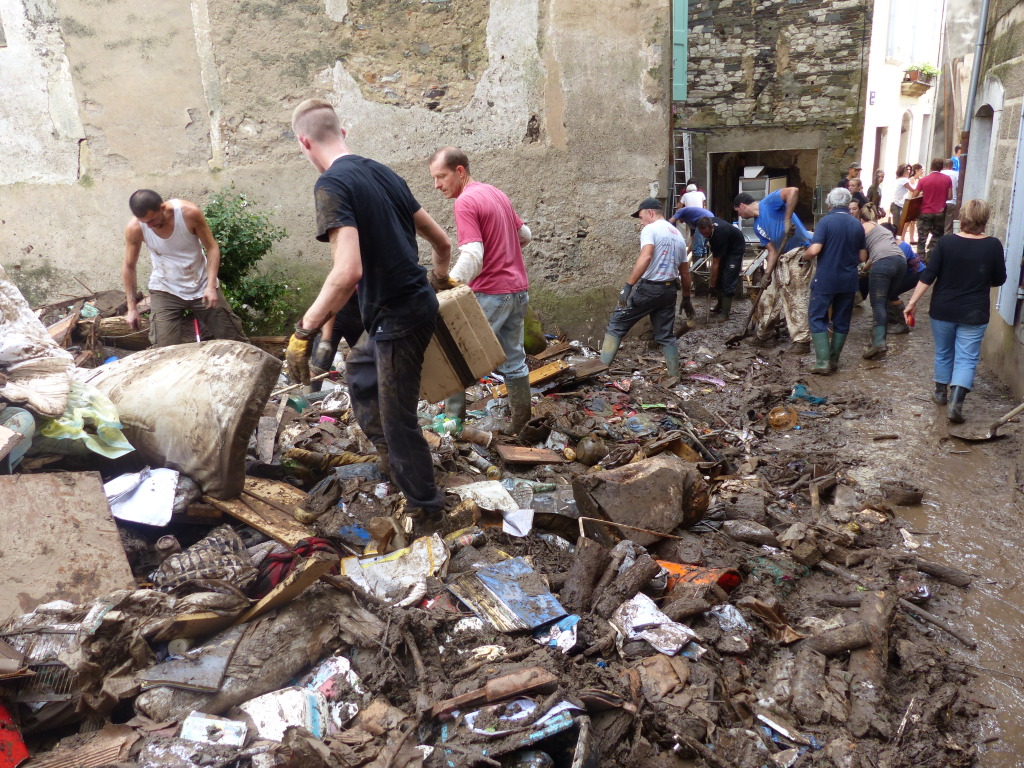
[(742, 564), (971, 513)]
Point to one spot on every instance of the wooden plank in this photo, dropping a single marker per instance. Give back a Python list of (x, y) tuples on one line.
[(539, 376), (266, 518), (58, 540), (293, 585), (553, 350), (514, 454)]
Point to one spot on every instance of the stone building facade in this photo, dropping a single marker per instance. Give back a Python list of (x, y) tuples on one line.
[(561, 103), (777, 83)]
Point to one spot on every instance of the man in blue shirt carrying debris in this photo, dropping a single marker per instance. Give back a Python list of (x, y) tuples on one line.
[(787, 278)]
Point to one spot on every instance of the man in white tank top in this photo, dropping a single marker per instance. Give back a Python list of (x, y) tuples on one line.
[(183, 277)]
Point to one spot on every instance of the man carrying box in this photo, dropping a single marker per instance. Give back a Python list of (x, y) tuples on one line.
[(491, 238), (370, 217)]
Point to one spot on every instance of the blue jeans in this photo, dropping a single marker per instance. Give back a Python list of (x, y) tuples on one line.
[(699, 244), (957, 350), (506, 312), (883, 282)]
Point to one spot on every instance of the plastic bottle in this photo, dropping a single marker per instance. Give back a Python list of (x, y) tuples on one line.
[(444, 425), (492, 472)]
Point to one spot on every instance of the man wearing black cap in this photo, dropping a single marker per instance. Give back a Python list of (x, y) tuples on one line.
[(852, 172), (652, 286)]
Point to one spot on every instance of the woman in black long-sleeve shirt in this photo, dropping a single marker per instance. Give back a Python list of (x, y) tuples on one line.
[(964, 268)]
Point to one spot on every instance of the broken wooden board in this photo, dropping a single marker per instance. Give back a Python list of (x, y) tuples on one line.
[(514, 454), (58, 540), (578, 373), (60, 331), (553, 350), (265, 517), (294, 584), (539, 376)]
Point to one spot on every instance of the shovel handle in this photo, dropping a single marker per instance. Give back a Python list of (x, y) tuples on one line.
[(1015, 412)]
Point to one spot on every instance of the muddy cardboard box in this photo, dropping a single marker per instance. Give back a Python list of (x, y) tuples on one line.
[(463, 349)]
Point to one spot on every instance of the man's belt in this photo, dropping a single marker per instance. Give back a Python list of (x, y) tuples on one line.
[(667, 283)]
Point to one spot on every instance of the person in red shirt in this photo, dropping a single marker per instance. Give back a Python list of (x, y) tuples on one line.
[(491, 237), (936, 188)]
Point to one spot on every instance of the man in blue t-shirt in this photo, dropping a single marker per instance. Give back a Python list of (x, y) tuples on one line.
[(839, 246), (371, 219), (787, 276)]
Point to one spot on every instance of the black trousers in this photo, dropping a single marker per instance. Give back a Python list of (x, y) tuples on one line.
[(729, 273), (655, 299), (384, 384)]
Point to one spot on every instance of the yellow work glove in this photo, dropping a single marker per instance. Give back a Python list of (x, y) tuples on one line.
[(445, 283), (300, 349)]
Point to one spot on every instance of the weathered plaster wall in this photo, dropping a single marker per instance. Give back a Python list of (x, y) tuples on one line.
[(559, 102), (39, 124), (778, 74)]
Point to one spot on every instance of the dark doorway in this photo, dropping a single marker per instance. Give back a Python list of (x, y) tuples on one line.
[(798, 166)]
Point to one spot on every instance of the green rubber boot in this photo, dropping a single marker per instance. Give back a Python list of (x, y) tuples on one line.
[(609, 348), (672, 362), (726, 304), (821, 354), (836, 349), (519, 402), (877, 343)]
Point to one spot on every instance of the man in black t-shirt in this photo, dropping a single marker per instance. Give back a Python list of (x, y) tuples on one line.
[(370, 217), (727, 245)]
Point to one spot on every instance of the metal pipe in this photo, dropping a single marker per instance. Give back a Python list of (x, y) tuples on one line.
[(979, 50)]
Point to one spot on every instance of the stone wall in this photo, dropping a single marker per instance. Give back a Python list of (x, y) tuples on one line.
[(777, 74), (559, 102)]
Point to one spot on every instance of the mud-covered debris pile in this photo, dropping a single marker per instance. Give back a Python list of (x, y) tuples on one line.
[(652, 577)]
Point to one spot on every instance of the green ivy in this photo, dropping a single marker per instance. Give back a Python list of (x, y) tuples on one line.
[(263, 300)]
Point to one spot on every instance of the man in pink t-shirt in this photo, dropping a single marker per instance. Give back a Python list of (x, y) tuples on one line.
[(935, 188), (491, 238)]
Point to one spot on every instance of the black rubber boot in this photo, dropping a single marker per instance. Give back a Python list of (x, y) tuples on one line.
[(877, 343), (821, 354), (941, 394), (956, 404)]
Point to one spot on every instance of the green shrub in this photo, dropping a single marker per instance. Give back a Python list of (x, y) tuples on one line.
[(245, 235), (265, 303), (263, 300)]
